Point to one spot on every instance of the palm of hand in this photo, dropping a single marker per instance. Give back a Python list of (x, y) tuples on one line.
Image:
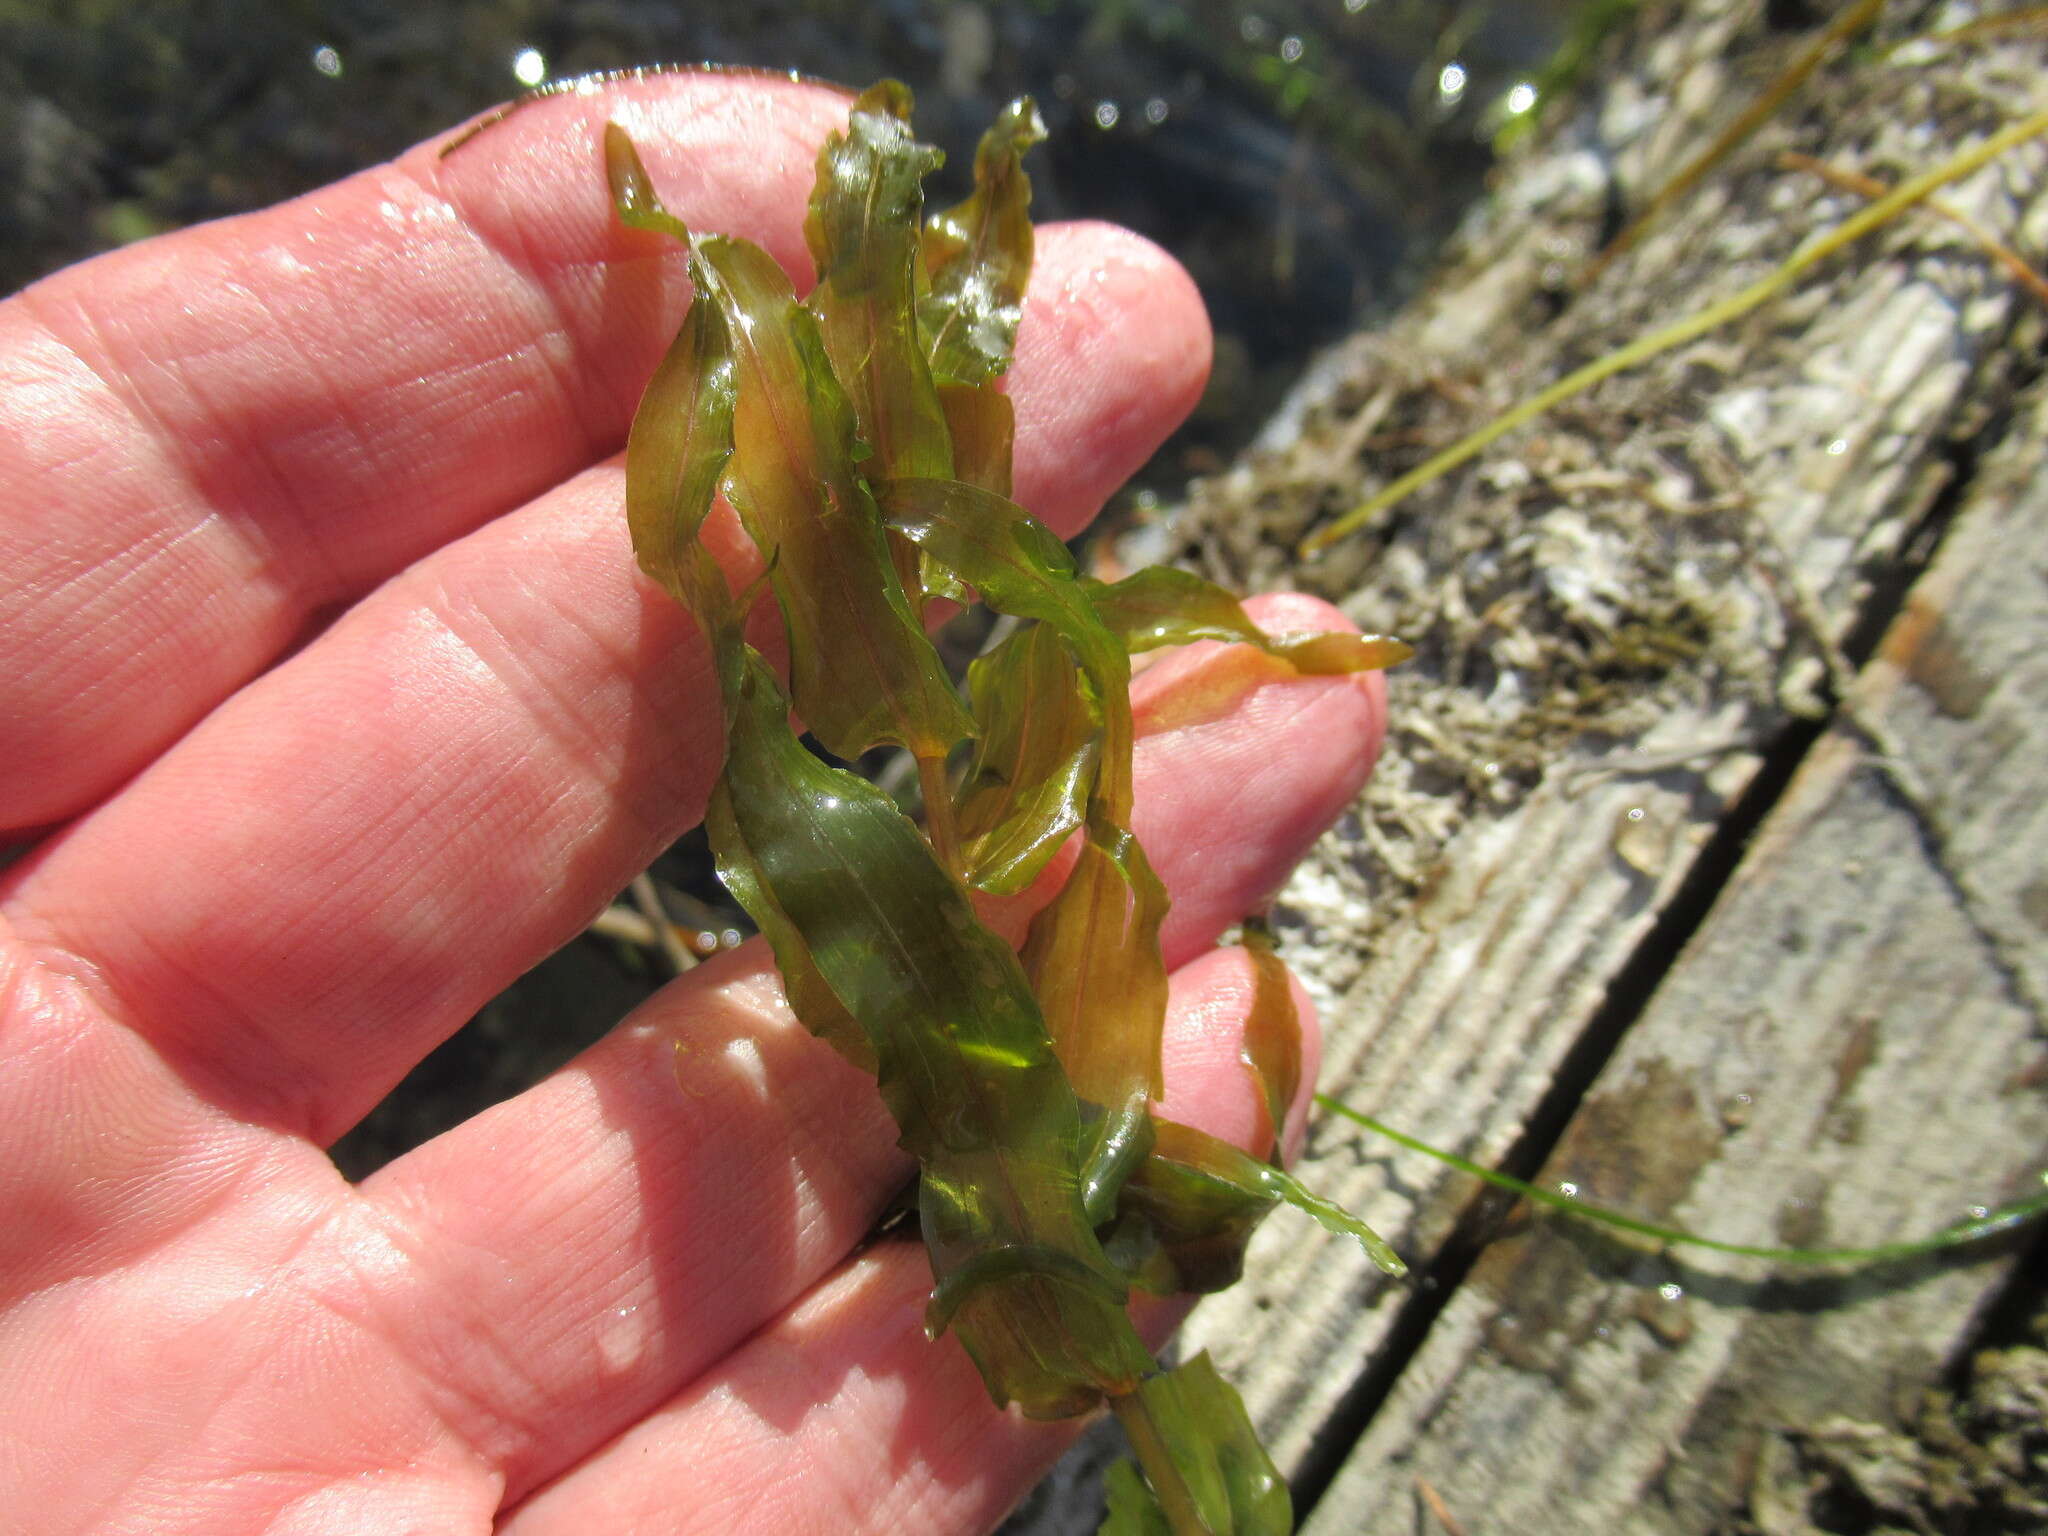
[(283, 875)]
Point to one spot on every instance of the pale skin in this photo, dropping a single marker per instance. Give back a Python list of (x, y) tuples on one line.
[(332, 702)]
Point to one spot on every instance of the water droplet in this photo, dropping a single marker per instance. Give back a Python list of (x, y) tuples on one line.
[(1979, 1212), (1155, 111), (1838, 447), (1521, 97), (1491, 770), (1254, 29), (1635, 813), (1450, 82), (1569, 1191), (529, 68), (327, 61), (1671, 1290), (1106, 114), (1290, 49), (731, 938)]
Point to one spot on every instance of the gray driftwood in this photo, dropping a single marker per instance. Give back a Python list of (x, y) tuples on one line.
[(1638, 622)]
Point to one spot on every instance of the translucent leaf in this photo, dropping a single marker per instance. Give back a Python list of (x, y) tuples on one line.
[(1020, 567), (811, 998), (862, 671), (681, 437), (633, 191), (976, 257), (1131, 1509), (1272, 1032), (1163, 606), (1093, 955), (847, 887), (1186, 1213), (983, 424), (1093, 959), (1033, 762), (862, 230), (1205, 1469)]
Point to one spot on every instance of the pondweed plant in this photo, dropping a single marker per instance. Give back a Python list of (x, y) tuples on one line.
[(861, 438)]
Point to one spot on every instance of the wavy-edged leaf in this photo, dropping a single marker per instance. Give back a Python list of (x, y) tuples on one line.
[(1272, 1032), (1020, 567), (810, 996), (681, 437), (1188, 1210), (1093, 959), (862, 671), (1130, 1509), (633, 190), (1164, 606), (1204, 1467), (853, 893), (1033, 762), (984, 426), (976, 257), (1093, 955), (862, 230)]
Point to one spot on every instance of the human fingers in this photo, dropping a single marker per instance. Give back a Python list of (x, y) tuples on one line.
[(211, 440), (840, 1415), (589, 1245), (350, 856)]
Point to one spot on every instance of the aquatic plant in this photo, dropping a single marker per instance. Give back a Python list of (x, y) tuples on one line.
[(861, 438)]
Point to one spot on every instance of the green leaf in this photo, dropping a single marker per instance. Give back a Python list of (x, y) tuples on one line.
[(677, 449), (1093, 954), (984, 425), (863, 235), (1020, 567), (1180, 1228), (1204, 1466), (1034, 760), (1093, 959), (681, 437), (1164, 606), (862, 671), (1131, 1509), (1272, 1032), (1190, 1207), (811, 997), (855, 896), (633, 191), (976, 257)]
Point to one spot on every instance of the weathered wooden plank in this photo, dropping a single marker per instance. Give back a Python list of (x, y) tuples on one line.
[(1465, 933), (1841, 1056), (1642, 573)]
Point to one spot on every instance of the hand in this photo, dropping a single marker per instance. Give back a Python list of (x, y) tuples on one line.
[(283, 853)]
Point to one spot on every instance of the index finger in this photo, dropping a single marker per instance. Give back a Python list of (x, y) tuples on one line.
[(209, 440)]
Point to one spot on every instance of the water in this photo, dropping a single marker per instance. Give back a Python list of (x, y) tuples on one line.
[(1300, 158)]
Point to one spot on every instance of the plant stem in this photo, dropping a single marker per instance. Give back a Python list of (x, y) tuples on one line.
[(938, 813), (1150, 1448)]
